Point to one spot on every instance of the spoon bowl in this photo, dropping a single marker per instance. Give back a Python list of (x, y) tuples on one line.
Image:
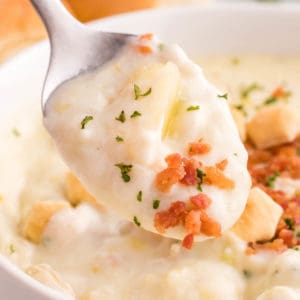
[(75, 48)]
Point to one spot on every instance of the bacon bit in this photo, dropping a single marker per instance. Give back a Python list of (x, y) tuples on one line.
[(214, 176), (190, 168), (222, 164), (171, 217), (276, 245), (144, 49), (174, 161), (192, 222), (201, 201), (188, 241), (209, 226), (288, 237), (167, 178), (146, 37), (198, 148)]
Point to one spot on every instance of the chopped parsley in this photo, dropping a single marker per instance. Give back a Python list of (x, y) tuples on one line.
[(119, 139), (16, 132), (245, 93), (270, 181), (289, 223), (155, 204), (224, 96), (235, 154), (135, 114), (247, 274), (138, 93), (161, 46), (270, 100), (241, 108), (125, 170), (139, 196), (297, 248), (121, 117), (298, 234), (191, 108), (200, 175), (85, 120), (12, 248), (136, 221), (298, 151)]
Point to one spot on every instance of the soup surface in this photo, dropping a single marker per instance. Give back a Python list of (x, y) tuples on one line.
[(55, 231)]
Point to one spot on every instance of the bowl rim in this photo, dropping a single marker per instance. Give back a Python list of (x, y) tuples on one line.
[(250, 7)]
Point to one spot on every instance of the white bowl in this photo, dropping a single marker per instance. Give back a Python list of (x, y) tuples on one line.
[(199, 30)]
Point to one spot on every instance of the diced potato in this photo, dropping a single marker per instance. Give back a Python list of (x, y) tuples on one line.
[(240, 122), (259, 219), (46, 275), (39, 216), (75, 191), (273, 125)]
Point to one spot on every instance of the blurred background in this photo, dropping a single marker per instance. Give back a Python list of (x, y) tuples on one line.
[(20, 26)]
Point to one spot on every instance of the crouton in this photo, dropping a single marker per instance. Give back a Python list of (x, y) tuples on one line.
[(38, 218), (273, 125), (259, 219), (240, 122), (75, 191)]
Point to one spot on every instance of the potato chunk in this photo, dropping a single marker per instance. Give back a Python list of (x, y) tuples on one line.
[(273, 125), (75, 191), (38, 218), (46, 275), (259, 219), (240, 122)]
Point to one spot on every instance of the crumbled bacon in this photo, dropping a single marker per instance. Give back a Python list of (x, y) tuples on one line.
[(190, 168), (201, 201), (192, 222), (171, 217), (284, 160), (215, 176), (188, 241), (167, 178), (198, 148), (174, 161), (146, 37), (222, 164), (209, 226)]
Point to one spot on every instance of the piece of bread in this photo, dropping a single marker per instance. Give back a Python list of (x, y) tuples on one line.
[(38, 218), (259, 219), (273, 125), (76, 193), (240, 122)]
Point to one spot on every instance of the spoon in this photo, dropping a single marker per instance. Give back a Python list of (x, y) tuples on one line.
[(75, 48)]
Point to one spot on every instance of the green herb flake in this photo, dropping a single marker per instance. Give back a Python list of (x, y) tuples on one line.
[(235, 154), (155, 204), (200, 175), (298, 234), (16, 132), (289, 223), (247, 274), (161, 46), (139, 196), (270, 100), (245, 93), (298, 151), (12, 248), (125, 170), (85, 120), (138, 93), (270, 181), (136, 221), (191, 108), (121, 117), (119, 139), (224, 96), (135, 114)]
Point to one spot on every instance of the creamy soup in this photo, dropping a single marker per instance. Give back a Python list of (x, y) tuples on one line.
[(90, 253)]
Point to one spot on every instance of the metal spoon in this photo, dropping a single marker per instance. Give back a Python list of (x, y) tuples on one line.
[(75, 47)]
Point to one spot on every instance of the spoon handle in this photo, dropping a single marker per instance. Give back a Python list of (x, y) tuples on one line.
[(56, 18)]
